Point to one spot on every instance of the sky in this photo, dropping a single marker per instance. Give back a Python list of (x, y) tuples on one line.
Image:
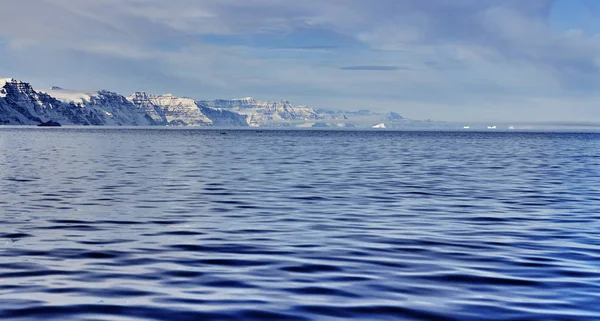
[(450, 60)]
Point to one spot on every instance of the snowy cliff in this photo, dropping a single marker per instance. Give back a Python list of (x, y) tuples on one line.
[(170, 110), (263, 113)]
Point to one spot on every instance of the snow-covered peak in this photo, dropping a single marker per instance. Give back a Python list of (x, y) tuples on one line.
[(170, 99), (15, 83), (3, 81), (2, 90), (142, 95), (139, 95), (12, 86)]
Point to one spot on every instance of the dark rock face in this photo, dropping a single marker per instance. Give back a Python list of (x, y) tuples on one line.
[(49, 123)]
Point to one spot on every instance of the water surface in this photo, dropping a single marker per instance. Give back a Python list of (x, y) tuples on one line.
[(189, 224)]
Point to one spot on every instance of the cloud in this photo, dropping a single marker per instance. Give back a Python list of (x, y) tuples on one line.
[(459, 58)]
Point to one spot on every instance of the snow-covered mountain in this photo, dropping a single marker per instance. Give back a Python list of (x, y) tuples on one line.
[(263, 113), (392, 116), (112, 108), (362, 117), (222, 117), (20, 104), (170, 110)]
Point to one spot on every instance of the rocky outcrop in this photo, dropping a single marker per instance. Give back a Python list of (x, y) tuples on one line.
[(49, 123)]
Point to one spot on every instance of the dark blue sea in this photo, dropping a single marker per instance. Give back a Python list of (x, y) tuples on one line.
[(205, 224)]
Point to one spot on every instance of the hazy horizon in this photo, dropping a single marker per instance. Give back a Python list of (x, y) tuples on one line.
[(466, 61)]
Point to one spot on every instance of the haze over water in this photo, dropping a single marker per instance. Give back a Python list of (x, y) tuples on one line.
[(190, 224)]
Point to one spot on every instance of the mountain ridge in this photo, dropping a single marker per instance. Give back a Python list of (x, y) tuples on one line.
[(21, 104)]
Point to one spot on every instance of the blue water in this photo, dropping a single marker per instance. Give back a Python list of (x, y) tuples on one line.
[(179, 224)]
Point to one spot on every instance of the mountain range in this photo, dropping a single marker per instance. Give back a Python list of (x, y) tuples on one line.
[(21, 104)]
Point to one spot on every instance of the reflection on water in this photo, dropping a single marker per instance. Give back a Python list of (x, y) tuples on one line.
[(159, 224)]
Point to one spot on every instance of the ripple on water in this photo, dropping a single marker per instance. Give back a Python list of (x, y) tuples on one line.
[(161, 224)]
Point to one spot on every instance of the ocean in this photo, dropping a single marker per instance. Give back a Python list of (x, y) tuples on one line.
[(213, 224)]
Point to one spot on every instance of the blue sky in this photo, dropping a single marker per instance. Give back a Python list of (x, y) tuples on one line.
[(455, 60)]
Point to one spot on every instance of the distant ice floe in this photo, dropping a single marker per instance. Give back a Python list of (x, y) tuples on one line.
[(379, 126)]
